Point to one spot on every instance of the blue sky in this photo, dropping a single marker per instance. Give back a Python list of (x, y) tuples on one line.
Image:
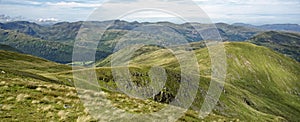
[(228, 11)]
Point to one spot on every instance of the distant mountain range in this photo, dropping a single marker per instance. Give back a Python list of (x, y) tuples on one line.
[(273, 27), (55, 42), (65, 31), (282, 42)]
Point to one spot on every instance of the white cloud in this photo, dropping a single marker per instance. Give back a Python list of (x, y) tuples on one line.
[(47, 20), (151, 16), (72, 4), (252, 11), (21, 2)]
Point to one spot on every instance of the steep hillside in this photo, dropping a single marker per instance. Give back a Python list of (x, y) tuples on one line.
[(34, 89), (282, 42), (62, 32), (261, 85), (30, 66), (54, 51), (9, 48), (264, 82)]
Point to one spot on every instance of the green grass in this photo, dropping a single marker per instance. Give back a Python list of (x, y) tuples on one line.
[(33, 90), (28, 99), (261, 85)]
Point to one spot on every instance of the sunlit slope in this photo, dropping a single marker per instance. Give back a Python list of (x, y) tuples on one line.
[(261, 85), (27, 65), (33, 89)]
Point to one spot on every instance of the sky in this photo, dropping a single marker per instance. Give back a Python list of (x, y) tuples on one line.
[(255, 12)]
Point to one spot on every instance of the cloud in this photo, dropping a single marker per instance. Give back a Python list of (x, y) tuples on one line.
[(20, 2), (73, 4), (252, 11), (65, 3), (6, 18), (47, 20), (152, 16)]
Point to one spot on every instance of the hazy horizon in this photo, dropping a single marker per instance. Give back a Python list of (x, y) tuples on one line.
[(61, 21), (225, 11)]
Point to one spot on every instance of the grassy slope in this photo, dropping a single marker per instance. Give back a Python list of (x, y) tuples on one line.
[(29, 65), (31, 90), (261, 85), (25, 98), (262, 82)]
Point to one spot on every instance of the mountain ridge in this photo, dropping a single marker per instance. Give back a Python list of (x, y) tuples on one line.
[(273, 27), (58, 39), (286, 43)]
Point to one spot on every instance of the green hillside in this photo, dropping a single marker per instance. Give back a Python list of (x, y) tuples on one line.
[(34, 89), (282, 42), (54, 51), (30, 66), (61, 32), (51, 50), (262, 81), (261, 84)]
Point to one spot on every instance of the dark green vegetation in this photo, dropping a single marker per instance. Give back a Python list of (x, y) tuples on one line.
[(9, 48), (282, 42), (51, 50), (62, 32), (35, 46)]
